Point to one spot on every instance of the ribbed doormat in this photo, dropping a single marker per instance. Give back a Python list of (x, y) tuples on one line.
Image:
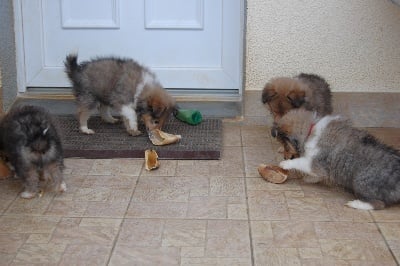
[(202, 141)]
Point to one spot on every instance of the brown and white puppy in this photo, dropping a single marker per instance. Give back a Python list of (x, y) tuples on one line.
[(30, 141), (121, 85), (333, 151), (307, 91)]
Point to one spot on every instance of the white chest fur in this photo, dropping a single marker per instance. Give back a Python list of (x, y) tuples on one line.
[(311, 149)]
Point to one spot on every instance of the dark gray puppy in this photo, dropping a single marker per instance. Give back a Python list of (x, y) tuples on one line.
[(332, 150), (32, 145)]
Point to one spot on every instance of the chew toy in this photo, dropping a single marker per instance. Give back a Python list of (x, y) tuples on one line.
[(190, 116), (272, 173), (159, 137), (5, 171), (151, 160)]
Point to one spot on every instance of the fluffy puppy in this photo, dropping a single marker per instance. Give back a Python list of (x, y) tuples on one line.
[(307, 91), (32, 145), (122, 85), (333, 151)]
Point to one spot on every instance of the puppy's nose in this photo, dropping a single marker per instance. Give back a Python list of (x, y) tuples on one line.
[(155, 124), (274, 132)]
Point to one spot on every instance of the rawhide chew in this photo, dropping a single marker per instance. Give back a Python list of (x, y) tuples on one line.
[(5, 171), (273, 173), (151, 160), (159, 137)]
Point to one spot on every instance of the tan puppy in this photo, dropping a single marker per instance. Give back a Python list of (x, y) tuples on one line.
[(307, 91)]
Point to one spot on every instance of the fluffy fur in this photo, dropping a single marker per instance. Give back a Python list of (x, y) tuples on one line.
[(32, 145), (332, 150), (122, 85), (306, 91)]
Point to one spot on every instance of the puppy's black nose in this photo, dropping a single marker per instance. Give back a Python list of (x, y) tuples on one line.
[(274, 132)]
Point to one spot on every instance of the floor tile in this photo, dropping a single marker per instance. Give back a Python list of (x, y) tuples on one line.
[(197, 212)]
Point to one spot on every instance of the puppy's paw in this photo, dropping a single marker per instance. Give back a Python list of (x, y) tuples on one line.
[(358, 204), (87, 131), (110, 120), (134, 132), (287, 164), (63, 187), (27, 195)]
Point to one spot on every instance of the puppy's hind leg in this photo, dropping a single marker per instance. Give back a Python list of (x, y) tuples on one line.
[(31, 183), (105, 113), (130, 120), (366, 205), (83, 116), (53, 174)]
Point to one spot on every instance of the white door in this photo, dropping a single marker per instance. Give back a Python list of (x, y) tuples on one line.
[(192, 45)]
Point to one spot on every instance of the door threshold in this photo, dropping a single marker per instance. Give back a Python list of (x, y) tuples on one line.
[(224, 106)]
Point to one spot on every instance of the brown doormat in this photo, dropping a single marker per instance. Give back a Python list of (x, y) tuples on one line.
[(202, 141)]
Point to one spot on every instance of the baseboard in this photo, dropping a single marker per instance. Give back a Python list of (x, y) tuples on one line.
[(364, 109)]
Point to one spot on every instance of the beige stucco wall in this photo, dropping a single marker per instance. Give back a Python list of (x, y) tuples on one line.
[(354, 44)]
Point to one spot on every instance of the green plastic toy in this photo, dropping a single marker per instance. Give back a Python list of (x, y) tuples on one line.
[(190, 116)]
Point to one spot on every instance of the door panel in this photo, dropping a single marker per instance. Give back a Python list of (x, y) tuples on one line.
[(81, 14), (160, 15), (189, 44)]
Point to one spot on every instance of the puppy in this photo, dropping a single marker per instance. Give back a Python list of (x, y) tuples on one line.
[(122, 85), (333, 151), (307, 91), (32, 145)]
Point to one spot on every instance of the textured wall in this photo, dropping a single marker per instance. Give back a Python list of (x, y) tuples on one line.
[(7, 54), (354, 44)]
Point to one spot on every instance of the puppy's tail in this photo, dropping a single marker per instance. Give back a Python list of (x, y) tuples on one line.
[(71, 67)]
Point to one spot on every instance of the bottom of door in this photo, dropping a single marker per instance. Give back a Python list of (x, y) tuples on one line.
[(215, 103)]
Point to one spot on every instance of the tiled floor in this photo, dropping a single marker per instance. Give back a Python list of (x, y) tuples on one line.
[(195, 213)]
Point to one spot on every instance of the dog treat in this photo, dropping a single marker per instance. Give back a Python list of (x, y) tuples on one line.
[(151, 160), (4, 170), (159, 137), (190, 116), (273, 173)]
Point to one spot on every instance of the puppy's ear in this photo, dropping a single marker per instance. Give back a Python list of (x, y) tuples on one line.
[(296, 98), (268, 93)]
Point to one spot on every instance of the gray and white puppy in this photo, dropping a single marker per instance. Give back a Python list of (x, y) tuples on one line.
[(332, 150), (32, 145), (122, 85)]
